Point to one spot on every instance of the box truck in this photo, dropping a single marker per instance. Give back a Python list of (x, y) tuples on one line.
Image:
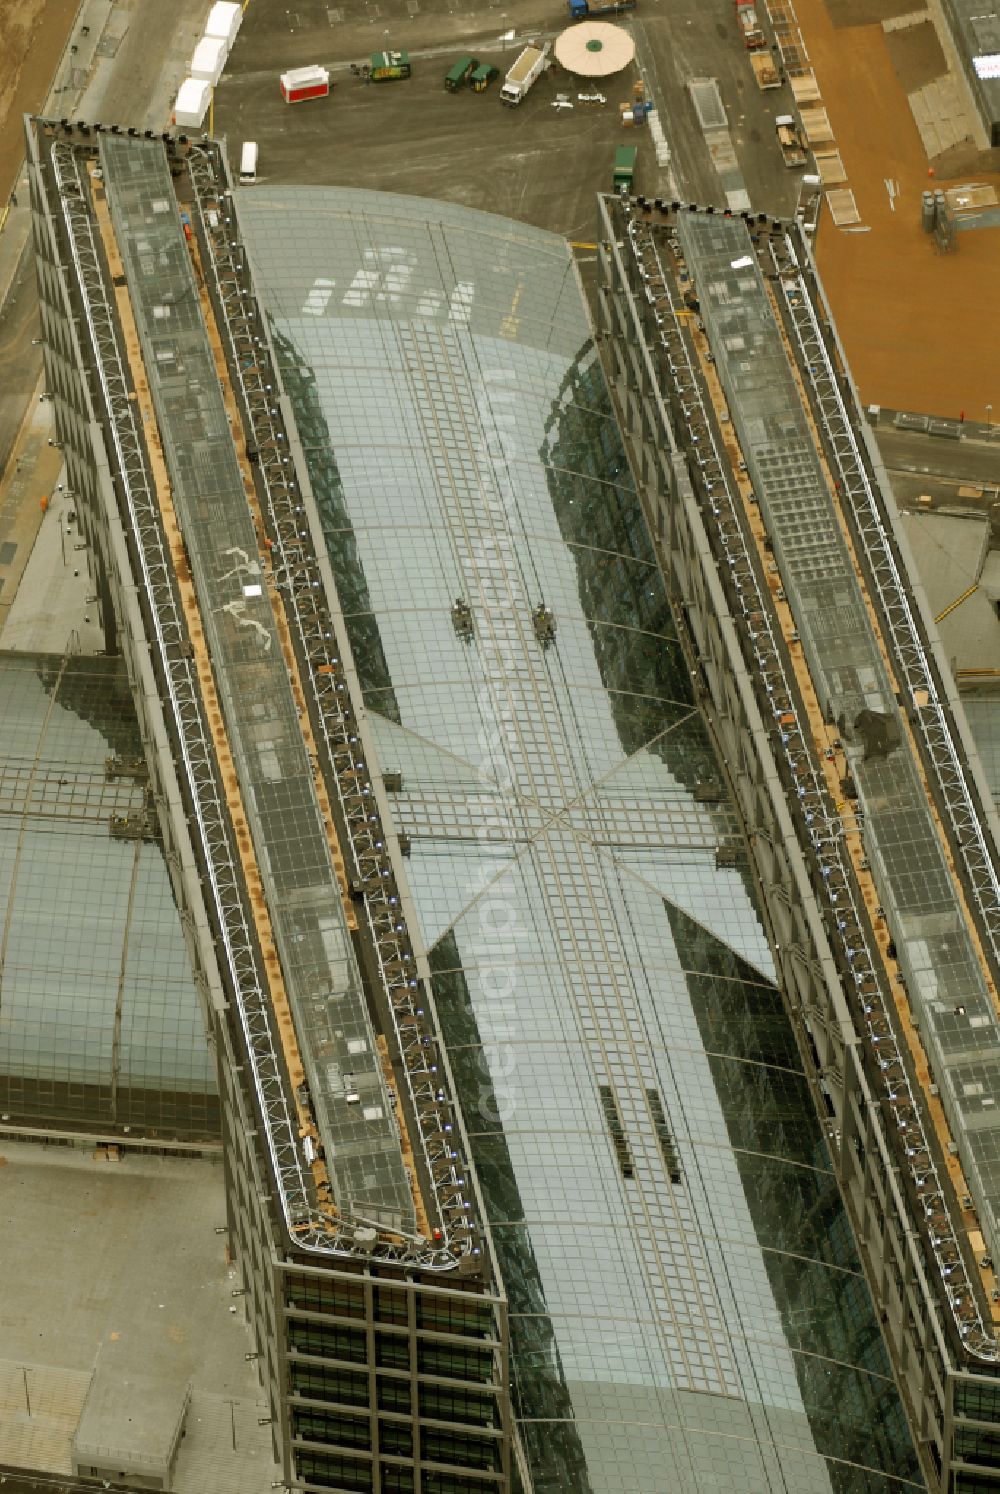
[(524, 74)]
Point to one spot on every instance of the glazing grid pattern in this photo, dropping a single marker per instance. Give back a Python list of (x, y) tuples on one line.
[(335, 1035), (460, 443), (983, 717), (943, 974), (92, 939)]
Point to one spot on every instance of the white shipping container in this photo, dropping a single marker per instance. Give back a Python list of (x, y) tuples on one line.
[(192, 102), (304, 83), (209, 59), (224, 20)]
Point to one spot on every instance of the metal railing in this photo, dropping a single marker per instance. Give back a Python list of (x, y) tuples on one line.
[(166, 630), (819, 824), (378, 900)]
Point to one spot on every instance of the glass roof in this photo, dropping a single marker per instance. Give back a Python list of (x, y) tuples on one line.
[(99, 1017), (983, 716), (683, 1288), (947, 987)]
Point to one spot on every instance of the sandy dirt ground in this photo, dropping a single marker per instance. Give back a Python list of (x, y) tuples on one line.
[(32, 36), (921, 328), (866, 12)]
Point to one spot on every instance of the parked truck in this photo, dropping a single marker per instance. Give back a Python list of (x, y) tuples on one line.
[(765, 70), (459, 74), (580, 10), (766, 74), (793, 147), (525, 73), (746, 18), (388, 65), (483, 77), (624, 172)]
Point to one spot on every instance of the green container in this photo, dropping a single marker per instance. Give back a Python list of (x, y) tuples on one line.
[(386, 65), (459, 75), (483, 77), (624, 166)]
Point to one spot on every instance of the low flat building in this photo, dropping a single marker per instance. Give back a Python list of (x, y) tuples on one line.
[(975, 32)]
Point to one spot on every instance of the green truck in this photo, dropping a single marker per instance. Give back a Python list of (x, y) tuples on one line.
[(483, 77), (624, 168), (387, 65), (457, 76)]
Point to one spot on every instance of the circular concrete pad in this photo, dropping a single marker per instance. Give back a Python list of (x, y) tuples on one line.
[(594, 49)]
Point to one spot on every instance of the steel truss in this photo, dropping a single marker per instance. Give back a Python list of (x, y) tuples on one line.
[(865, 509), (819, 825), (377, 893), (165, 627)]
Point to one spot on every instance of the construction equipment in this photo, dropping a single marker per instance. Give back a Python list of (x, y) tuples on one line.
[(793, 147), (461, 620), (386, 66), (544, 623), (524, 74), (582, 10), (457, 76), (765, 71), (624, 171), (483, 77)]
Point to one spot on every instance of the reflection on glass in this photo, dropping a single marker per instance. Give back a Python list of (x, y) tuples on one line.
[(100, 1023), (685, 1300)]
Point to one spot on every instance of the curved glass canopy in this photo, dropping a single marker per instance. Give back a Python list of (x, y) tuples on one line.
[(684, 1290)]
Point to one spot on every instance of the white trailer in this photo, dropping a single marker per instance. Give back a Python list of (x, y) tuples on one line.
[(209, 59), (248, 162), (224, 21), (526, 71), (193, 98)]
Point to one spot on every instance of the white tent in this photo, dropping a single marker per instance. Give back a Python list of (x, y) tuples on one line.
[(209, 59), (224, 20), (192, 101)]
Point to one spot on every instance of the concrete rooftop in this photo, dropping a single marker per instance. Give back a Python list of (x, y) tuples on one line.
[(119, 1261)]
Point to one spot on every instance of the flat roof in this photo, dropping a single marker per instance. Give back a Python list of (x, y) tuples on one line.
[(144, 1291), (945, 979), (977, 30), (349, 1093), (130, 1421)]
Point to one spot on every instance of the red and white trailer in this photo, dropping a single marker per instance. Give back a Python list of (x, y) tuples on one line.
[(305, 83)]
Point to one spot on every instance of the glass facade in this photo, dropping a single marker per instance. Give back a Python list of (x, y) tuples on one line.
[(99, 1019), (683, 1289), (983, 716), (387, 1378)]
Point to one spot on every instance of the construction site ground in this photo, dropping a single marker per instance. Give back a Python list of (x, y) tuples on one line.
[(32, 36), (536, 163), (921, 328)]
